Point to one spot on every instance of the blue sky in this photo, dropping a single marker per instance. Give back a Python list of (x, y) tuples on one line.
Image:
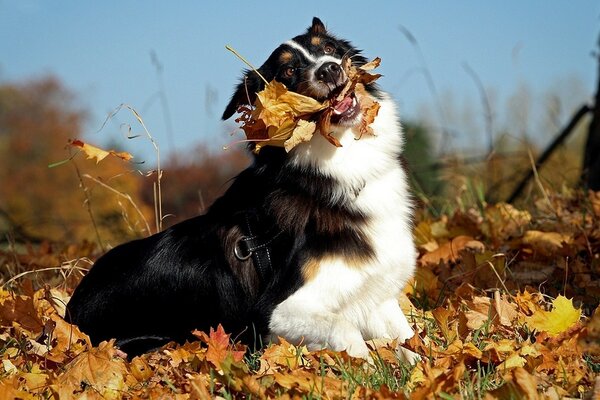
[(101, 50)]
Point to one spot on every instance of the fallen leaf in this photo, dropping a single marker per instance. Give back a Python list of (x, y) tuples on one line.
[(503, 221), (504, 312), (219, 346), (282, 356), (546, 243), (94, 372), (448, 252), (96, 152), (562, 317)]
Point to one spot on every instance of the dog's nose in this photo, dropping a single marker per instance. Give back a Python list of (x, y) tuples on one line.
[(329, 72)]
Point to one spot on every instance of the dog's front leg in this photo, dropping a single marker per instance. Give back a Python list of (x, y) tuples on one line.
[(306, 318), (388, 321)]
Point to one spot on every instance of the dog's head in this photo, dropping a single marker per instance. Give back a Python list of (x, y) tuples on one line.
[(309, 64)]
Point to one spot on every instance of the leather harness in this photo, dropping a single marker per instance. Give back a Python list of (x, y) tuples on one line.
[(256, 244)]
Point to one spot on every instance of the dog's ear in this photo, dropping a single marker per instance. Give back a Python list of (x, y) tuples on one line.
[(318, 27), (245, 93)]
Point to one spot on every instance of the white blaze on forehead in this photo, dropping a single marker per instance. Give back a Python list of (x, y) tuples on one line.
[(317, 60)]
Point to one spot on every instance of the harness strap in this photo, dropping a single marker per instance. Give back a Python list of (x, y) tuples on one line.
[(256, 245)]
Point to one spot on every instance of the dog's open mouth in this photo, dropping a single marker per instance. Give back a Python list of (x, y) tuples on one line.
[(280, 117), (346, 109)]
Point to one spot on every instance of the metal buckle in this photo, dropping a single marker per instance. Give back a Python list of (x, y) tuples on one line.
[(239, 254)]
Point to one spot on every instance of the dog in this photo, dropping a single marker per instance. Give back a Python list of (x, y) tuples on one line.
[(313, 245)]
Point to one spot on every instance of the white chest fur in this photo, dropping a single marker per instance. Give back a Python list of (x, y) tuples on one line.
[(343, 305)]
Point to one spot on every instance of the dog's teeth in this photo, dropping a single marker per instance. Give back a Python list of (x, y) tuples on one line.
[(354, 102), (336, 112)]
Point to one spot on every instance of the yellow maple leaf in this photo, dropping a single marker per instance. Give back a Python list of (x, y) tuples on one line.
[(562, 317)]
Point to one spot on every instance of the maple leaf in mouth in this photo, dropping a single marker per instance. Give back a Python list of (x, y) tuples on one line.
[(284, 118)]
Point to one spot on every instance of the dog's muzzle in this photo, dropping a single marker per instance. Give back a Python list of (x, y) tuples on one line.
[(330, 73)]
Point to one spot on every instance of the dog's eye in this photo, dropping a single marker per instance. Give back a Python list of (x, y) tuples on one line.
[(329, 49), (289, 72)]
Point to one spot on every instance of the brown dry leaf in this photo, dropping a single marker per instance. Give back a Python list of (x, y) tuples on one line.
[(442, 316), (282, 356), (590, 340), (307, 382), (140, 369), (369, 108), (96, 373), (448, 252), (303, 132), (527, 302), (503, 311), (424, 282), (512, 361), (546, 243), (478, 312), (10, 389), (199, 387), (520, 384), (502, 221), (96, 152), (20, 310), (66, 340), (178, 356)]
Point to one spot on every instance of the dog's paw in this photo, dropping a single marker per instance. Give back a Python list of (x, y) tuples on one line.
[(345, 336), (407, 355), (359, 350)]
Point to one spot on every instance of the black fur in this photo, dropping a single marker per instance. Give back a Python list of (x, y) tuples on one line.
[(150, 291), (251, 83)]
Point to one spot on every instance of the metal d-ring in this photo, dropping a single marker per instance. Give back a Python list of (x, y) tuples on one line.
[(239, 253)]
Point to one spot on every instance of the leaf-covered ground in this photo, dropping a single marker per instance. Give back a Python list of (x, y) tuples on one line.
[(503, 305)]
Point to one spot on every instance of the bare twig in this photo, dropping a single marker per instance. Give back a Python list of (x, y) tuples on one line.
[(88, 203), (62, 268), (429, 79), (123, 195), (538, 181), (591, 158), (550, 149), (487, 109), (238, 55), (162, 94), (158, 192)]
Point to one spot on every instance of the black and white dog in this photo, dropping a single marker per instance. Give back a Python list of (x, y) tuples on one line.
[(313, 245)]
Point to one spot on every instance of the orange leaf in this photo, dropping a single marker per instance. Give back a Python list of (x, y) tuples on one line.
[(218, 346), (448, 252)]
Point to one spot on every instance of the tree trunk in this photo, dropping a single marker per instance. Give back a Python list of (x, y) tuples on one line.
[(591, 159)]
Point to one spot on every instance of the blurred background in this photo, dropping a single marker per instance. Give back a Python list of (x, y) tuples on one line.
[(483, 89)]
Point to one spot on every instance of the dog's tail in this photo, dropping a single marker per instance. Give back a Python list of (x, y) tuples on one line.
[(139, 345)]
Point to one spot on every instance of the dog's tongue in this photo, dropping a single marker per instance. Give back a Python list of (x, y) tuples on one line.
[(343, 105)]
